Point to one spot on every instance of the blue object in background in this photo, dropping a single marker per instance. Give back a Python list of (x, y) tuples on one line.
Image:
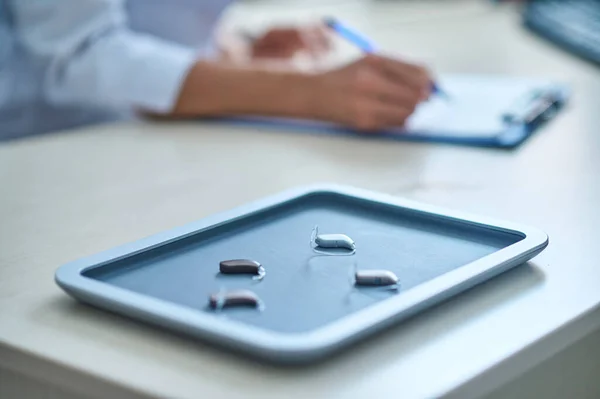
[(571, 24)]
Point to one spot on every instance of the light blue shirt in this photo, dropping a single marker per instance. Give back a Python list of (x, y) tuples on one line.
[(65, 63)]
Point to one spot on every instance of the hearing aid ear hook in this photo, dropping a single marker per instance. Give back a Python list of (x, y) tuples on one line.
[(331, 241)]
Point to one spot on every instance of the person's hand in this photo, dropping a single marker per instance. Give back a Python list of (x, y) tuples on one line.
[(372, 93), (283, 43)]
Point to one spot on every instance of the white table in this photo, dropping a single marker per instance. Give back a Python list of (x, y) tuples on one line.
[(72, 194)]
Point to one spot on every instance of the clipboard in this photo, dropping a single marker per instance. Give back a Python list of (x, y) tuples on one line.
[(484, 111)]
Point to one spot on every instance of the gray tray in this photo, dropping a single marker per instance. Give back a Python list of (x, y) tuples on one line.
[(311, 306)]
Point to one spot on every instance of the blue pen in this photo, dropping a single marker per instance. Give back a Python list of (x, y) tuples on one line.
[(363, 43)]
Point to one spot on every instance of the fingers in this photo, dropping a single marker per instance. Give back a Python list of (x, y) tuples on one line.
[(285, 42), (311, 42), (378, 86), (387, 92), (278, 43), (319, 38), (414, 77)]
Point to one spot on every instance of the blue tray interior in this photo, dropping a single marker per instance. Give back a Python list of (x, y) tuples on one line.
[(303, 291)]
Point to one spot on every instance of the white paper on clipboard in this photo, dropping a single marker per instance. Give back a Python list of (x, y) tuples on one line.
[(474, 108)]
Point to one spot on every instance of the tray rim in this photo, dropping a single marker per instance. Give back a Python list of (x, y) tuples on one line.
[(304, 346)]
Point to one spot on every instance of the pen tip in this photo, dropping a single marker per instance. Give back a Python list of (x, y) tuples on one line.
[(329, 21), (435, 89)]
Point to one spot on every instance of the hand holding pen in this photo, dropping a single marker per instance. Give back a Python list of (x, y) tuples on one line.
[(364, 44), (373, 93)]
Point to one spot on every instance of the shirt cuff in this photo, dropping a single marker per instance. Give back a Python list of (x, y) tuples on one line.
[(163, 67), (122, 70)]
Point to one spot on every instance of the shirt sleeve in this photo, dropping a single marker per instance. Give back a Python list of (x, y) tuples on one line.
[(91, 57)]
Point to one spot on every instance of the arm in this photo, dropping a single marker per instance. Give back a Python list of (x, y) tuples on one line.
[(220, 89), (370, 94), (94, 59)]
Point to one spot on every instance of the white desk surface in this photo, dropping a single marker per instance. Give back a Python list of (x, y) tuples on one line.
[(72, 194)]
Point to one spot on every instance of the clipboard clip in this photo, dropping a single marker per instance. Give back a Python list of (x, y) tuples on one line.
[(536, 106)]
